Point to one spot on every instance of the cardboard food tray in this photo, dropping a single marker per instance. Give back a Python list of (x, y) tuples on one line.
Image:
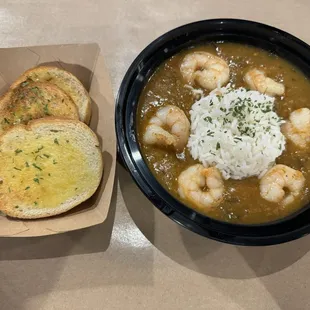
[(86, 63)]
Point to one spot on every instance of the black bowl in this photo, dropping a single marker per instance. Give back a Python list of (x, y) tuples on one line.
[(241, 31)]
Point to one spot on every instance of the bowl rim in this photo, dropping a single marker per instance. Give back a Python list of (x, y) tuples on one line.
[(175, 213)]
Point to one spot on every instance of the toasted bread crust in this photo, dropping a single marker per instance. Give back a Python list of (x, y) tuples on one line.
[(64, 80), (32, 101)]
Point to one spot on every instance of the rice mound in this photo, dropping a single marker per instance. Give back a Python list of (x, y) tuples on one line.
[(237, 131)]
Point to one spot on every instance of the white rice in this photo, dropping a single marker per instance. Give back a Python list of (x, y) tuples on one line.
[(237, 131)]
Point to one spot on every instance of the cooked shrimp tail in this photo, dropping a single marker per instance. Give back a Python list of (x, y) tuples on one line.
[(193, 181), (257, 80), (297, 129), (279, 178), (175, 121), (208, 70)]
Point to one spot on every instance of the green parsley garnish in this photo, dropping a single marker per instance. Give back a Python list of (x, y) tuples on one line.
[(39, 149), (208, 119), (24, 83), (237, 138), (45, 109), (37, 167)]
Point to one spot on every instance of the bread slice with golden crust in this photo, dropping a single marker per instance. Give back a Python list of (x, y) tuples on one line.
[(48, 167), (32, 101), (65, 81)]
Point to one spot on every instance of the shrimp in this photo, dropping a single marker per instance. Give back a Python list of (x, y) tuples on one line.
[(175, 121), (195, 179), (279, 178), (208, 70), (257, 80), (297, 129)]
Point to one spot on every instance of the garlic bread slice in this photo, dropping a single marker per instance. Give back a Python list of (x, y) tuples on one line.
[(48, 167), (34, 100), (65, 81)]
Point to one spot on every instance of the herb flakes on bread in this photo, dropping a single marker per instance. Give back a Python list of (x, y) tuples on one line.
[(65, 81), (48, 167), (32, 101)]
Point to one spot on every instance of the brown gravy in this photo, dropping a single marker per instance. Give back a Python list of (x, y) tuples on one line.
[(242, 203)]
